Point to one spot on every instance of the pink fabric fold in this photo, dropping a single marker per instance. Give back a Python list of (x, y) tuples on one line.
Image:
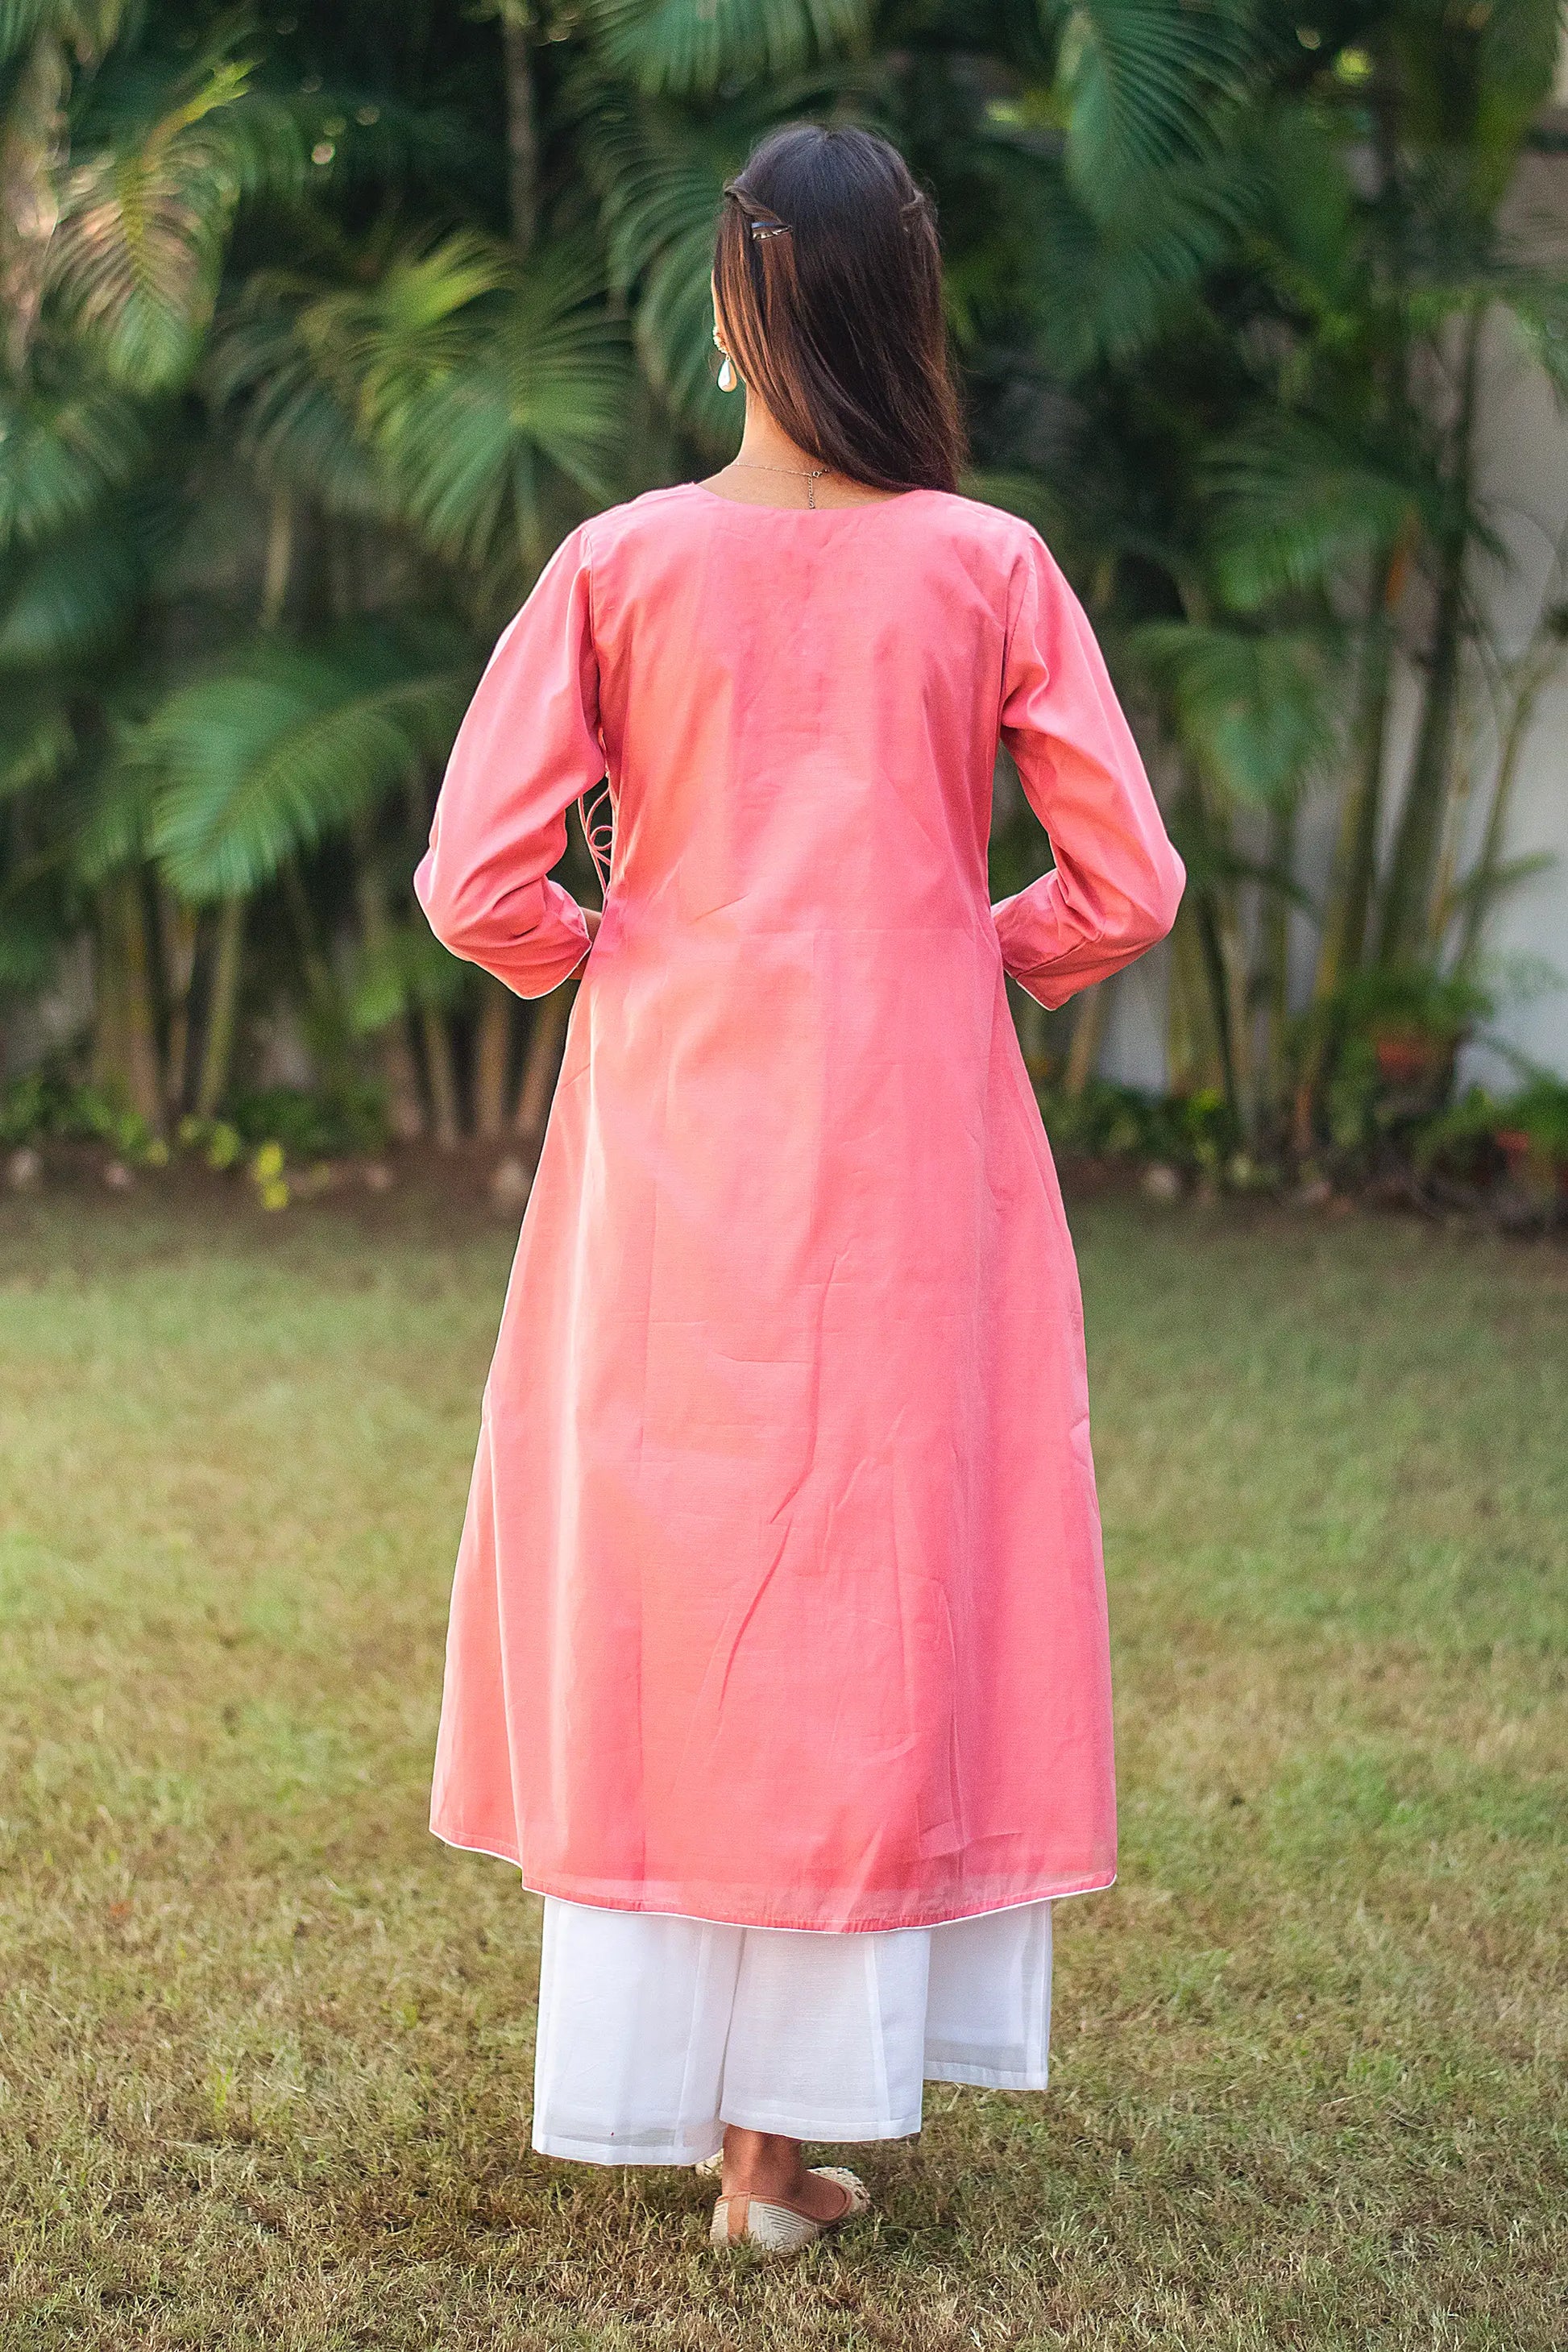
[(526, 750), (1117, 882)]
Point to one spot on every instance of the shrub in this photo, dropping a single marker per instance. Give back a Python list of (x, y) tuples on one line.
[(42, 1105), (1196, 1132), (326, 1126)]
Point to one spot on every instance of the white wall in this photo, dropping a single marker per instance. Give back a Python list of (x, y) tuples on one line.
[(1525, 477)]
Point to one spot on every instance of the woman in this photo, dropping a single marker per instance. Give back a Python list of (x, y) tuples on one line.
[(778, 1648)]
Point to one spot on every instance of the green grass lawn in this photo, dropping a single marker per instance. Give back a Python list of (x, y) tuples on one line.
[(266, 2046)]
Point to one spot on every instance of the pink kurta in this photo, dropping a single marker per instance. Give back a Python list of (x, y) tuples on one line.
[(780, 1597)]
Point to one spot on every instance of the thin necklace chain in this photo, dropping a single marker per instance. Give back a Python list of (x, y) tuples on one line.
[(756, 465)]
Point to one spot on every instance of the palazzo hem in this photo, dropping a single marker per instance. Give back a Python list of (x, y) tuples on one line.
[(656, 2032), (699, 2149)]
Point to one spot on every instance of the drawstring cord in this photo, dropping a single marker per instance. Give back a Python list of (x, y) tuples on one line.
[(596, 810)]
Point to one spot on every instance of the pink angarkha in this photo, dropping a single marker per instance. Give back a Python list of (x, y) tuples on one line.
[(780, 1598)]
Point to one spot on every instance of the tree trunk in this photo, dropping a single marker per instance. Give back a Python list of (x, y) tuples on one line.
[(1223, 962), (179, 933), (278, 562), (493, 1059), (1355, 863), (1088, 1038), (1403, 934), (1274, 974), (400, 1075), (328, 1022), (546, 1037), (126, 1044), (1489, 856), (1192, 1055), (442, 1073), (521, 130), (1354, 875), (1236, 983), (223, 1001), (1029, 1018), (394, 1052)]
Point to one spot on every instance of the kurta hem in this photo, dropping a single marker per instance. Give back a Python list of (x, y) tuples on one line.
[(568, 1891)]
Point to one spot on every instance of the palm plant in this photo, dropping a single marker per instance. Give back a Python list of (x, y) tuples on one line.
[(1284, 299), (320, 334)]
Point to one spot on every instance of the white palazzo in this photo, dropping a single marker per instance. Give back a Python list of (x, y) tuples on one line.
[(655, 2030)]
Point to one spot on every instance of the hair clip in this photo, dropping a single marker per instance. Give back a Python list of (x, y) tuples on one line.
[(772, 227)]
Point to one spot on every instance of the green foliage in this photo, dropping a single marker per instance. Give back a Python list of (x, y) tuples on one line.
[(689, 47), (144, 218), (327, 1124), (1143, 87), (62, 452), (1407, 1000), (252, 764), (321, 330), (1198, 1131), (1254, 708), (407, 966), (1524, 1135), (1540, 1112), (541, 380), (45, 1105)]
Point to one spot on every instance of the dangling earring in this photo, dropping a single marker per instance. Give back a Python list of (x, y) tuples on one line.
[(726, 374)]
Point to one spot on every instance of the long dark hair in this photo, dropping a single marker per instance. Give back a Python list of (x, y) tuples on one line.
[(828, 281)]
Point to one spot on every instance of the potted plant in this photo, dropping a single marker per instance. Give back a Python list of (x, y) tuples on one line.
[(1531, 1133), (1414, 1019)]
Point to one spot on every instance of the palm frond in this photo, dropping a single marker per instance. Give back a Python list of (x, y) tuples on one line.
[(110, 817), (1109, 286), (297, 420), (658, 178), (465, 418), (59, 453), (144, 222), (383, 343), (1538, 300), (74, 594), (657, 174), (1141, 82), (1299, 503), (1256, 710), (37, 738), (260, 761), (689, 47)]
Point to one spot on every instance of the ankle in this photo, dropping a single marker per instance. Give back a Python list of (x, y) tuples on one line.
[(761, 2164)]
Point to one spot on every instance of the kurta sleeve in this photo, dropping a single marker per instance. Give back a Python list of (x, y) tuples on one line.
[(527, 747), (1118, 881)]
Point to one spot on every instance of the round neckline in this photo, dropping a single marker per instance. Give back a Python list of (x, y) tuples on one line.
[(763, 506)]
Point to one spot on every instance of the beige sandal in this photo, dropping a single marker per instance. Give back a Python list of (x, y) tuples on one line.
[(776, 2225)]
